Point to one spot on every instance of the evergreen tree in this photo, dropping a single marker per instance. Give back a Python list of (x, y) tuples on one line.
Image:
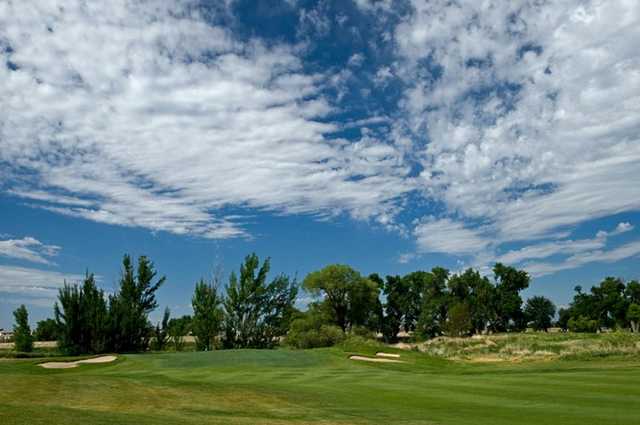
[(21, 331), (130, 306), (81, 318), (161, 331)]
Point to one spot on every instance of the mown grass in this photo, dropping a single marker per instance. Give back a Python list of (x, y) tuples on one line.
[(321, 387)]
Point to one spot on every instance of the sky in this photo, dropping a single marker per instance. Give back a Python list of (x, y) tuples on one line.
[(389, 135)]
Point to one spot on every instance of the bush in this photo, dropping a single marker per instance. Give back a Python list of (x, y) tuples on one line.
[(582, 324), (305, 333)]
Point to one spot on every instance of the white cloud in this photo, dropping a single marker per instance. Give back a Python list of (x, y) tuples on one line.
[(33, 284), (143, 114), (532, 125), (448, 236), (28, 249), (571, 250), (628, 250)]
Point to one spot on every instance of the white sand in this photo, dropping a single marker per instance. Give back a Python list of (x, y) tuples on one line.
[(388, 355), (69, 365), (374, 360)]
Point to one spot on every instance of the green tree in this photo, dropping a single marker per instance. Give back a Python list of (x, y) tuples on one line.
[(459, 320), (161, 331), (46, 330), (396, 292), (564, 314), (633, 315), (632, 292), (350, 297), (130, 306), (257, 313), (81, 318), (207, 315), (539, 311), (21, 331), (610, 302), (508, 303), (178, 328), (435, 300)]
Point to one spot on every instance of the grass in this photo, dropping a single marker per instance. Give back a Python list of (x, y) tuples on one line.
[(321, 387), (533, 346)]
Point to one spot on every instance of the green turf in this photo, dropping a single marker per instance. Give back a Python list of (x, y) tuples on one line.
[(320, 387)]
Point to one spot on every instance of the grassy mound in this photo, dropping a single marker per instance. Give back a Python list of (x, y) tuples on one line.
[(532, 346)]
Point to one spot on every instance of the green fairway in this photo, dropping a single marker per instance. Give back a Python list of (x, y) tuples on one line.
[(319, 386)]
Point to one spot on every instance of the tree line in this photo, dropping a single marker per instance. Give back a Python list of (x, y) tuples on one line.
[(255, 311)]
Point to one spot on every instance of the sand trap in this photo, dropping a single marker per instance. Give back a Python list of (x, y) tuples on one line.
[(69, 365), (388, 355), (374, 360)]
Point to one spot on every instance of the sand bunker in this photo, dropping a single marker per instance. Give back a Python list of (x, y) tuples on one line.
[(374, 359), (69, 365), (388, 355)]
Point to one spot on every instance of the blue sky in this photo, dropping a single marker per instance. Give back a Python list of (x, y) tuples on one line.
[(389, 135)]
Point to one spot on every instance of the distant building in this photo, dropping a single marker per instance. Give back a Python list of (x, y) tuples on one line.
[(5, 336)]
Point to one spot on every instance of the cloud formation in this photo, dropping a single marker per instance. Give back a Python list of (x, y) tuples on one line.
[(28, 249), (145, 114), (515, 121)]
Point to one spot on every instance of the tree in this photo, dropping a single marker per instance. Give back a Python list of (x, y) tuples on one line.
[(435, 299), (178, 328), (350, 297), (633, 315), (161, 331), (395, 292), (81, 318), (508, 303), (46, 330), (478, 293), (257, 313), (539, 311), (459, 320), (207, 315), (610, 303), (21, 331), (564, 314), (130, 306)]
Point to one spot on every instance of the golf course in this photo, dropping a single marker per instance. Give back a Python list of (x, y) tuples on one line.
[(321, 386)]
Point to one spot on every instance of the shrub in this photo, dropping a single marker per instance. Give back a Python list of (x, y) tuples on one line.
[(305, 332), (582, 324)]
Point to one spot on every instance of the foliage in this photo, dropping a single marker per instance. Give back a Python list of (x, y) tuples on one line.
[(539, 311), (508, 303), (257, 313), (47, 330), (582, 324), (350, 297), (633, 315), (21, 331), (305, 334), (130, 306), (161, 332), (81, 318), (459, 320), (207, 315), (178, 328)]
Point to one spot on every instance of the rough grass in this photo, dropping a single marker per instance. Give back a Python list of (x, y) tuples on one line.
[(322, 387), (531, 346)]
